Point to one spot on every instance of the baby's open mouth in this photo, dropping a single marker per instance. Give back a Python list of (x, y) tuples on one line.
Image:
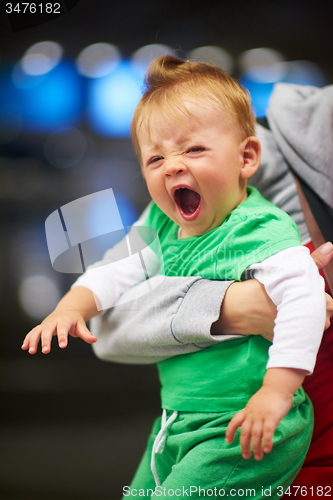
[(187, 200)]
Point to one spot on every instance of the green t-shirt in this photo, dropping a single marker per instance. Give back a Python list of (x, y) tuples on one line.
[(224, 376)]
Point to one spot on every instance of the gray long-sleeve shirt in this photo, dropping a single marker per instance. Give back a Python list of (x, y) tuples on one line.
[(156, 326)]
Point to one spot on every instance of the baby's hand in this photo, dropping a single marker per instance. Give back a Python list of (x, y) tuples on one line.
[(259, 420), (62, 324)]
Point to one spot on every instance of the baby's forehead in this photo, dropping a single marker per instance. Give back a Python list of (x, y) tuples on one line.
[(188, 114), (192, 116), (178, 127)]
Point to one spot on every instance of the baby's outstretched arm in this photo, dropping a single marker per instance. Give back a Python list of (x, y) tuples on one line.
[(267, 407), (68, 318)]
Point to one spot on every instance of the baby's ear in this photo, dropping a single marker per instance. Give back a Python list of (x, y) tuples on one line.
[(251, 157)]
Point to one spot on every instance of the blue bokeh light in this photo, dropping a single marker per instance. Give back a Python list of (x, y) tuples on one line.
[(46, 101), (96, 212), (112, 100), (260, 94)]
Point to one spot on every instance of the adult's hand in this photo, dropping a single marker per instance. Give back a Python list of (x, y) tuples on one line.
[(323, 255), (247, 309)]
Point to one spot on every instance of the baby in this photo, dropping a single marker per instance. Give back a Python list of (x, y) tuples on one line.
[(193, 131)]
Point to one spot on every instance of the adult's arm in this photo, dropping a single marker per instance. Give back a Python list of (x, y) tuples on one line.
[(167, 321), (187, 314), (182, 315)]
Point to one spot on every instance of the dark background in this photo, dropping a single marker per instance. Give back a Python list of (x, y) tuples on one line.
[(74, 427)]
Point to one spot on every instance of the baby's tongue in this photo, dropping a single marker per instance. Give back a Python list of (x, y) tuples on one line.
[(188, 200)]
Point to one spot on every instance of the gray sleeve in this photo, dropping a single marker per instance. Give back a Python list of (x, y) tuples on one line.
[(276, 182), (174, 318)]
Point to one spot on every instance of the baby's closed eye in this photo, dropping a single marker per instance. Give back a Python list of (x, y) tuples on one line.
[(195, 149)]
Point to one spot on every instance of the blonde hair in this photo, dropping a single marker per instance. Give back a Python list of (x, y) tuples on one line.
[(168, 79)]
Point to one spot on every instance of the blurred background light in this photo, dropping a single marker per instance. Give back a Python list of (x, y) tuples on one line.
[(112, 100), (142, 57), (260, 69), (38, 295), (97, 212), (38, 290), (263, 65), (98, 60), (213, 55), (23, 80), (304, 73), (46, 101), (97, 217), (41, 58), (127, 210), (65, 147), (260, 95), (39, 101)]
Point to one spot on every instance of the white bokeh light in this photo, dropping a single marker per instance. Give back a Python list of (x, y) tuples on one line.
[(263, 65), (41, 58), (38, 295), (98, 60), (142, 57), (213, 55)]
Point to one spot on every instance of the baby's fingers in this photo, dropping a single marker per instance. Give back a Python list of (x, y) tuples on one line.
[(246, 438), (233, 425), (49, 329), (30, 343), (64, 328), (83, 333), (262, 438), (257, 440), (268, 433)]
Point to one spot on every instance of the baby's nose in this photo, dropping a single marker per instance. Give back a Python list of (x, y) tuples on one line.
[(174, 165)]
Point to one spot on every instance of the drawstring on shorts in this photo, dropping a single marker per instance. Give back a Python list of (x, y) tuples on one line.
[(159, 442)]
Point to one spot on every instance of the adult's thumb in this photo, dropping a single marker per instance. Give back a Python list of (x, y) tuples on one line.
[(323, 254)]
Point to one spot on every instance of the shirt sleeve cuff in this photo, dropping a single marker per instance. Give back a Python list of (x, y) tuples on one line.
[(199, 309)]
